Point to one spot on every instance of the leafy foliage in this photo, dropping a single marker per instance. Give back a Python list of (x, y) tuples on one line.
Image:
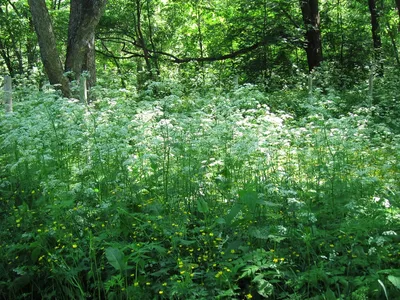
[(166, 194)]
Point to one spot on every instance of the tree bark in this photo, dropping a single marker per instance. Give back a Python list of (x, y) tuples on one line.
[(375, 24), (84, 18), (141, 39), (311, 19), (47, 43), (376, 37)]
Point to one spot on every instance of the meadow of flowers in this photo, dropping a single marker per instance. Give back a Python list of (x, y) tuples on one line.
[(166, 194)]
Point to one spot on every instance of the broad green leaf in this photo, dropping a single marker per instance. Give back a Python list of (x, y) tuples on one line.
[(232, 213), (264, 288), (116, 258), (35, 254), (202, 206), (395, 280), (330, 295), (249, 198)]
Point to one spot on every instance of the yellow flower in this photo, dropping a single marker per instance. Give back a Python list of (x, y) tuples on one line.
[(218, 274), (275, 260), (161, 292), (74, 246), (249, 296)]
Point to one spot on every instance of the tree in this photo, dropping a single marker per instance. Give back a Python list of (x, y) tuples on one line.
[(80, 56), (47, 44), (84, 18), (16, 40), (311, 19), (376, 37)]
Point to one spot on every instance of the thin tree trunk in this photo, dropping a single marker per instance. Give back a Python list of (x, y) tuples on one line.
[(142, 41), (6, 57), (311, 19), (392, 36), (377, 42)]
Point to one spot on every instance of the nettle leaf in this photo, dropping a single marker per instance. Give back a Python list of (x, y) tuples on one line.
[(116, 258), (232, 213), (264, 288)]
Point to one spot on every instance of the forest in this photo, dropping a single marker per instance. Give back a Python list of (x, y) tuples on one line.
[(200, 149)]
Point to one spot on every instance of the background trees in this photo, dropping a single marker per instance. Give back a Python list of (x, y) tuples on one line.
[(80, 55), (194, 40)]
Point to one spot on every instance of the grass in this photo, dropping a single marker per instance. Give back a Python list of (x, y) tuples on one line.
[(166, 195)]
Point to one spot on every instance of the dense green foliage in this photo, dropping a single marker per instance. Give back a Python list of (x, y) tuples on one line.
[(208, 164), (228, 194), (172, 30)]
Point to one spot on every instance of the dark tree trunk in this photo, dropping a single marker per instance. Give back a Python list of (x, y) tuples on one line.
[(142, 41), (84, 17), (47, 43), (375, 24), (311, 19), (7, 59), (376, 37)]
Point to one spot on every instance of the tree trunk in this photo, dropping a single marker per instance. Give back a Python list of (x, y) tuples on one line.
[(7, 58), (142, 41), (311, 19), (47, 43), (375, 34), (84, 17), (375, 24)]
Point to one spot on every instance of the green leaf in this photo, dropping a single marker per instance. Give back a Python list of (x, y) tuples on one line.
[(264, 288), (232, 213), (248, 198), (249, 271), (116, 258), (35, 254), (202, 206), (395, 280), (330, 295)]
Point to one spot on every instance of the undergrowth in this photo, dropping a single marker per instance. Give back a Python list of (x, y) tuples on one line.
[(169, 195)]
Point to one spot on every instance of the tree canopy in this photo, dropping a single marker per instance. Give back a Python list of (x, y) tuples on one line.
[(157, 38)]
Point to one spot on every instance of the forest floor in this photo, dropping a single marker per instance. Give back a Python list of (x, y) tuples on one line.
[(223, 195)]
